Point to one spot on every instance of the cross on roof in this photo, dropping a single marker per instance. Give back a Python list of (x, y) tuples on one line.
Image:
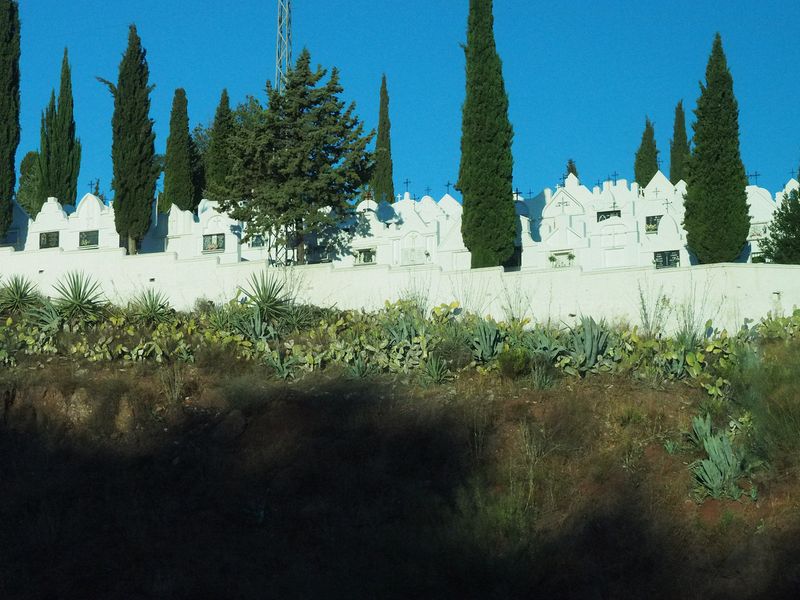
[(448, 185), (564, 178), (658, 162), (516, 193), (407, 182), (667, 203), (754, 175), (530, 193), (614, 175), (428, 190), (599, 183)]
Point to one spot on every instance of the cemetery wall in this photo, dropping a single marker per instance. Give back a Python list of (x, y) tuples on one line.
[(726, 293)]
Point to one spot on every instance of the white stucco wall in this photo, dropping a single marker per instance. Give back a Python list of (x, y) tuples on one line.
[(725, 293)]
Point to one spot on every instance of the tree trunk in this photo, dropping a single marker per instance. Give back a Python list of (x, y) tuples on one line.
[(131, 246)]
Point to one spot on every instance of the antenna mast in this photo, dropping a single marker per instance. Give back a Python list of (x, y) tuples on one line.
[(283, 50)]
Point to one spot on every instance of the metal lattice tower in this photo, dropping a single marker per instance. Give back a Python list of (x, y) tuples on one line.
[(283, 48)]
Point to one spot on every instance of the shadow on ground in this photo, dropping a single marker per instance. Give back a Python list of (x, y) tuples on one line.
[(343, 492)]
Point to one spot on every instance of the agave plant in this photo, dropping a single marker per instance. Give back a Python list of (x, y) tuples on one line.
[(436, 370), (46, 317), (544, 342), (18, 295), (266, 292), (151, 308), (589, 342), (718, 474), (486, 340), (251, 325), (79, 299)]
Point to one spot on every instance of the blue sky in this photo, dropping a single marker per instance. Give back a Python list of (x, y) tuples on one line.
[(580, 79)]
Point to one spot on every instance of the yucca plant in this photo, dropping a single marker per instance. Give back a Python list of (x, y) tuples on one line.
[(18, 295), (150, 308), (267, 293), (79, 299)]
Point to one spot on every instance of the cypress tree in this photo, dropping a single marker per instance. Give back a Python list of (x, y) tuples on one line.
[(132, 150), (28, 192), (382, 183), (646, 164), (572, 168), (218, 155), (47, 170), (60, 150), (717, 219), (489, 222), (679, 152), (69, 146), (178, 163), (9, 107)]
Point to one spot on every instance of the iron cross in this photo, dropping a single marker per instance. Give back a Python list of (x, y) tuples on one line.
[(614, 175), (448, 185), (754, 175), (407, 182)]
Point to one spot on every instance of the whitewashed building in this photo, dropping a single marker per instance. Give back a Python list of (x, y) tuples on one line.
[(615, 225)]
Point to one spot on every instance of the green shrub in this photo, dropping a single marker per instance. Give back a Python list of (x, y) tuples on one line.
[(514, 362), (542, 372), (454, 345)]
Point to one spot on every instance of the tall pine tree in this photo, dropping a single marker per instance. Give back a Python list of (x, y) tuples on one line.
[(679, 152), (218, 154), (717, 218), (489, 222), (60, 150), (382, 183), (646, 164), (179, 161), (133, 145), (287, 183), (9, 107), (782, 243)]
